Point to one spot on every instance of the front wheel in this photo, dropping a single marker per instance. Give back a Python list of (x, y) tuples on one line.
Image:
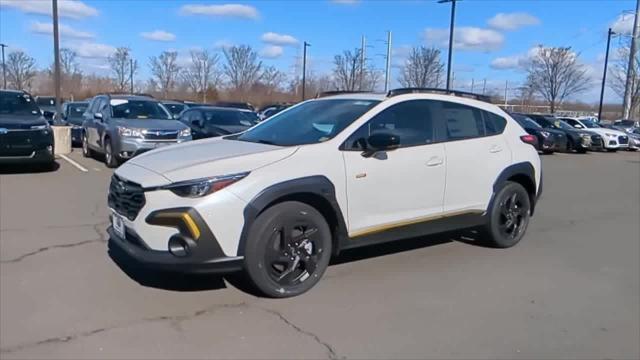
[(508, 217), (288, 249), (110, 158), (86, 150)]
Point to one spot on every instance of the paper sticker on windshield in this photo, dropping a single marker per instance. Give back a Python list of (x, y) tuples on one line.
[(116, 102)]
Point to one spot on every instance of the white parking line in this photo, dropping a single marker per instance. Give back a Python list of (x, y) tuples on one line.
[(80, 167)]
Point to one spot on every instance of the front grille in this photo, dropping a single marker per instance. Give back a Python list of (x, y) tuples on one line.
[(623, 139), (125, 197), (161, 134)]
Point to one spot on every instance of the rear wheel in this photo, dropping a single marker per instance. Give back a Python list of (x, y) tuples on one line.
[(110, 159), (548, 152), (288, 249), (508, 217)]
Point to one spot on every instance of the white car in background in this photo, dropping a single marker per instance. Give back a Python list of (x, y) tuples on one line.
[(613, 140)]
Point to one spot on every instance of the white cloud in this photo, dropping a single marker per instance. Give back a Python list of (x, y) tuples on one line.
[(229, 10), (74, 9), (158, 35), (272, 52), (466, 38), (223, 44), (345, 2), (506, 63), (92, 50), (623, 24), (512, 21), (65, 30), (279, 39)]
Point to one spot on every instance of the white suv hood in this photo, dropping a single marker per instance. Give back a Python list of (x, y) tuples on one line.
[(603, 131), (201, 159)]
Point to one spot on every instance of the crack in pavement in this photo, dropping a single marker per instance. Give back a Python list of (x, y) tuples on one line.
[(102, 238), (173, 318), (330, 351)]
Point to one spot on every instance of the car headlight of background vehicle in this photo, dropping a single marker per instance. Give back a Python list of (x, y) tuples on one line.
[(129, 132), (610, 135), (545, 133), (202, 187), (185, 132), (44, 127), (585, 136)]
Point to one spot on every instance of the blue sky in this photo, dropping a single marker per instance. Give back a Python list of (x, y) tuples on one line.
[(492, 39)]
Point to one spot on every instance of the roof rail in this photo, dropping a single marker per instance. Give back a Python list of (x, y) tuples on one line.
[(339, 92), (402, 91)]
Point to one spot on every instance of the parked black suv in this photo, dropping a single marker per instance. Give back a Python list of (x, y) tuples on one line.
[(72, 114), (25, 135), (209, 121), (577, 140), (548, 139)]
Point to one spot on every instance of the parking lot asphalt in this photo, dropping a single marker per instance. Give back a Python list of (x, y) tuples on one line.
[(570, 289)]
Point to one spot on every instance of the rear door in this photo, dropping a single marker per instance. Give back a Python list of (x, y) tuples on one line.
[(476, 153), (397, 187)]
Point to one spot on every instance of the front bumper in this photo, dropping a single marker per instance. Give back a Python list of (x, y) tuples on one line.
[(127, 148), (205, 256)]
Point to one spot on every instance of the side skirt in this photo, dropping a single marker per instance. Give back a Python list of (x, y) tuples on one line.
[(430, 227)]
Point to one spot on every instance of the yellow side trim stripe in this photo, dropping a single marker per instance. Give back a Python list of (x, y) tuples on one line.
[(389, 226)]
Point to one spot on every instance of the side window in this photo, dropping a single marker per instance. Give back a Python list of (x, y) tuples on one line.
[(92, 106), (493, 124), (411, 121), (572, 122), (461, 122), (186, 116)]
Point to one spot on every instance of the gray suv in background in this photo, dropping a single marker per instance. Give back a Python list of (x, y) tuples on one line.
[(123, 126)]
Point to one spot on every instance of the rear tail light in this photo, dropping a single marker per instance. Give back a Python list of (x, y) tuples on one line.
[(529, 139)]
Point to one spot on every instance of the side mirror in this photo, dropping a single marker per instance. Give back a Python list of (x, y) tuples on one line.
[(381, 142), (199, 123), (48, 114), (98, 116)]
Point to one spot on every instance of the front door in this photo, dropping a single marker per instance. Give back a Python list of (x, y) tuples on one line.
[(397, 187)]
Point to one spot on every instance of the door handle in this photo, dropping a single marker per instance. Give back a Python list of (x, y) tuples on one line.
[(435, 161), (495, 149)]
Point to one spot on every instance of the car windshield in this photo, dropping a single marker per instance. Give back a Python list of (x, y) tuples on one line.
[(75, 111), (174, 108), (311, 122), (590, 124), (18, 104), (138, 109), (626, 123), (636, 131), (526, 122), (230, 118)]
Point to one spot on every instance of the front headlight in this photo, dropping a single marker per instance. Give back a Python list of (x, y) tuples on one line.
[(185, 132), (610, 134), (129, 132), (545, 133), (202, 187), (585, 136)]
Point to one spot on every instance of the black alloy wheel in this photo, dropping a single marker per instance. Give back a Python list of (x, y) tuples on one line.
[(288, 249), (508, 217)]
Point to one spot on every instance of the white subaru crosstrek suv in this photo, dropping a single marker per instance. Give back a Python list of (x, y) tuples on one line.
[(612, 140), (329, 174)]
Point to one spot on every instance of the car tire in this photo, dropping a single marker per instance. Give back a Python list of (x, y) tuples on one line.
[(509, 216), (86, 150), (110, 159), (581, 151), (288, 249), (548, 152), (612, 150)]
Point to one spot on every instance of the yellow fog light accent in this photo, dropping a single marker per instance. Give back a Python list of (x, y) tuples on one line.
[(191, 225), (182, 220)]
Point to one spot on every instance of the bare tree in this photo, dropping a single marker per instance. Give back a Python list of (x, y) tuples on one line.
[(617, 79), (123, 67), (241, 67), (202, 72), (555, 73), (21, 69), (422, 68), (347, 70), (272, 78), (165, 70)]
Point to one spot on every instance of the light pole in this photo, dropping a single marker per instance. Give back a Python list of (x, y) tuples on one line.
[(387, 75), (451, 26), (631, 69), (604, 75), (4, 69), (56, 57), (131, 75), (304, 68)]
